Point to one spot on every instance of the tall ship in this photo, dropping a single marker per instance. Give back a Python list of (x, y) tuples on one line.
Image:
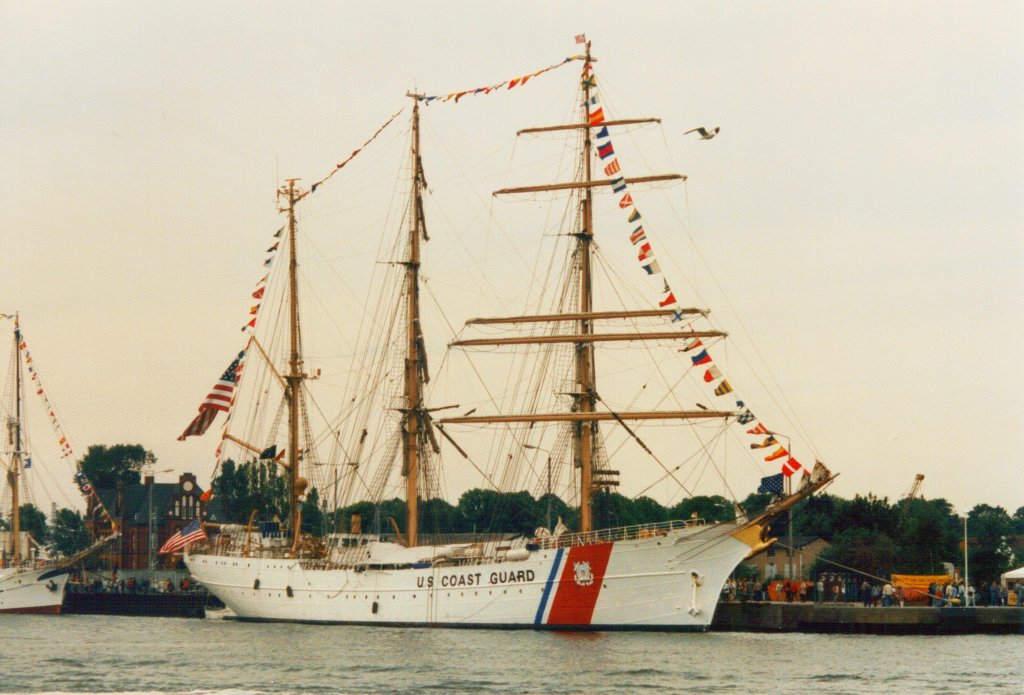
[(586, 574), (31, 581)]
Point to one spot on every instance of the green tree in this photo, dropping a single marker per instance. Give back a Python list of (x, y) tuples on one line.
[(817, 516), (987, 529), (710, 508), (252, 486), (1018, 521), (313, 518), (34, 521), (68, 534), (928, 535), (105, 466), (478, 507), (869, 513), (559, 510), (438, 516), (869, 551), (755, 503)]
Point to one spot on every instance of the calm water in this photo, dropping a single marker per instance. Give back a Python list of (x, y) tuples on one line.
[(99, 654)]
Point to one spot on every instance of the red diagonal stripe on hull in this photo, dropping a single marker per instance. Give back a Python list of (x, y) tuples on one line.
[(573, 603)]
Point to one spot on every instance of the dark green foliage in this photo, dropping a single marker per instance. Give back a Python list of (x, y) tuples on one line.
[(817, 517), (478, 508), (68, 534), (105, 466), (862, 549), (1018, 520), (713, 508), (253, 486), (928, 535), (755, 503), (34, 521), (313, 518)]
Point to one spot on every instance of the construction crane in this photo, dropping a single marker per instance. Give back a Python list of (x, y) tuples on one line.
[(915, 487)]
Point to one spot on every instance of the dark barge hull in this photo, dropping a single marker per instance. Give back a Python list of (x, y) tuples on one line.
[(183, 605)]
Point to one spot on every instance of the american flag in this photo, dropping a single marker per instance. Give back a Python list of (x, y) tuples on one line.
[(772, 483), (581, 38), (190, 534), (219, 398)]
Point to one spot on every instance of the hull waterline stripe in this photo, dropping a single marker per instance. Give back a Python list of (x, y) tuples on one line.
[(547, 587)]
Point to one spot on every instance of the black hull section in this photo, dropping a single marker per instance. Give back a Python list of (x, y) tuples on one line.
[(146, 605)]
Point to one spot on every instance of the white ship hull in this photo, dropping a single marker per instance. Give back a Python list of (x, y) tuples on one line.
[(32, 590), (665, 582)]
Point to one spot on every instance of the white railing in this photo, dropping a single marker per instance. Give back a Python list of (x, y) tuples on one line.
[(619, 533)]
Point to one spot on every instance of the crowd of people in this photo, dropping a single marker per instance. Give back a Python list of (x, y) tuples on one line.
[(843, 588), (128, 585)]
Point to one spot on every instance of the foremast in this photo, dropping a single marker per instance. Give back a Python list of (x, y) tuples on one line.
[(584, 416)]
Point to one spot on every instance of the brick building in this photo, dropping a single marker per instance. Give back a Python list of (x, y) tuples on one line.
[(147, 514)]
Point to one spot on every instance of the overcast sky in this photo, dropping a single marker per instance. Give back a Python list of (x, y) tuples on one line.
[(859, 220)]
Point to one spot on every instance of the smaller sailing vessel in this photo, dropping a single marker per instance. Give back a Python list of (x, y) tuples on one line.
[(30, 580)]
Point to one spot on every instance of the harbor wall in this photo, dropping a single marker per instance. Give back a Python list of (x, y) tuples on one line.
[(766, 616)]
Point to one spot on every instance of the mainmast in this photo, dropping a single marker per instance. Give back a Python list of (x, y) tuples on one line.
[(295, 377), (583, 415), (414, 358), (15, 433)]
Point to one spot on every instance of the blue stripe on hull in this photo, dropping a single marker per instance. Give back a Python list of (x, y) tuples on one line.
[(547, 587)]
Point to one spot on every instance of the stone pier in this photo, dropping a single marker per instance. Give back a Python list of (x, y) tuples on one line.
[(765, 616)]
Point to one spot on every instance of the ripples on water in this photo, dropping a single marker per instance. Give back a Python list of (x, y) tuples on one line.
[(100, 654)]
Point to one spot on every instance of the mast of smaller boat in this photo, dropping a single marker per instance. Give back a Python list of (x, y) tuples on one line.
[(15, 434), (414, 359), (295, 377)]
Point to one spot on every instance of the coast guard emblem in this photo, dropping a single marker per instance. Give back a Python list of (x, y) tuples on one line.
[(584, 577)]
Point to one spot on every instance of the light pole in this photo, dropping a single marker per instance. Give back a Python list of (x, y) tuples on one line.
[(547, 518), (789, 512), (149, 513)]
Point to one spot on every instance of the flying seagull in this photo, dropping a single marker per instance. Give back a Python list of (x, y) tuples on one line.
[(705, 134)]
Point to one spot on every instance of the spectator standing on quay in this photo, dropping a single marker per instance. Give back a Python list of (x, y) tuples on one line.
[(887, 592), (819, 590), (993, 594), (865, 593)]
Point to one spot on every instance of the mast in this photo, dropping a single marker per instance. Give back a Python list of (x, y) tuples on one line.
[(583, 416), (583, 432), (295, 376), (15, 432), (414, 359)]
